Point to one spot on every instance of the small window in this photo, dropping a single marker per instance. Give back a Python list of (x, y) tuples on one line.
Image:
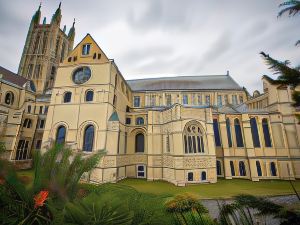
[(258, 168), (140, 171), (190, 176), (128, 121), (136, 101), (238, 134), (203, 176), (75, 58), (207, 100), (199, 99), (67, 97), (86, 49), (226, 99), (127, 108), (60, 135), (38, 144), (139, 121), (99, 56), (234, 100), (185, 100), (254, 131), (69, 59), (89, 96), (168, 100), (228, 129), (219, 100), (139, 143), (267, 136), (9, 98), (241, 99), (273, 169), (29, 108), (46, 110), (232, 168), (42, 124), (88, 138), (41, 110), (27, 123), (94, 56), (219, 169), (242, 168)]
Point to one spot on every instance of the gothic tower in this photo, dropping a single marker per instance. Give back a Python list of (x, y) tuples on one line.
[(45, 47)]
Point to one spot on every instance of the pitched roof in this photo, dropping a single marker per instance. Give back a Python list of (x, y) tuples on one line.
[(208, 82), (12, 77)]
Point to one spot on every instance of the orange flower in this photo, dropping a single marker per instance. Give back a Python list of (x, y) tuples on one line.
[(40, 198)]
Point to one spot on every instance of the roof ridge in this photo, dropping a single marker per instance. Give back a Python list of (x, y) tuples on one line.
[(188, 76)]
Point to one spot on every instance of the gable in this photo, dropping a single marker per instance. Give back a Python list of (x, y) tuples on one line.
[(87, 51)]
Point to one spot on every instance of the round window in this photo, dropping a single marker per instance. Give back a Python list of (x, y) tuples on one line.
[(81, 75)]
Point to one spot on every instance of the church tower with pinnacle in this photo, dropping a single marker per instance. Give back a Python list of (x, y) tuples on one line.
[(45, 47)]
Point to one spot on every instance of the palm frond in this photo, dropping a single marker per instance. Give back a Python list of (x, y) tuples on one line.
[(292, 8)]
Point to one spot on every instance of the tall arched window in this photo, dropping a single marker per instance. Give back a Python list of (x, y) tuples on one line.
[(267, 136), (219, 169), (139, 143), (254, 131), (9, 98), (89, 95), (232, 168), (238, 133), (203, 176), (139, 121), (216, 132), (258, 167), (67, 97), (61, 135), (193, 138), (273, 169), (228, 128), (88, 138), (242, 168)]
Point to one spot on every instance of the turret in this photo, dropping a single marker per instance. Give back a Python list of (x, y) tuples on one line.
[(56, 18), (71, 35)]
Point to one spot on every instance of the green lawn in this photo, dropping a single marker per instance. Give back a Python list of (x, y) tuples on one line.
[(222, 189)]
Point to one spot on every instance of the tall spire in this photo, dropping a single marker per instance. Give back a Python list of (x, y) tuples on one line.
[(37, 15), (57, 15), (71, 33)]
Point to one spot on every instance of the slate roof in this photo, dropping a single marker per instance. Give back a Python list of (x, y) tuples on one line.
[(12, 77), (209, 82)]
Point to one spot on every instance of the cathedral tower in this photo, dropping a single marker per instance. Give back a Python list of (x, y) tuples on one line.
[(45, 47)]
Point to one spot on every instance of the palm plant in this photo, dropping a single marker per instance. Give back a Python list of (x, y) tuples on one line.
[(56, 172), (291, 7)]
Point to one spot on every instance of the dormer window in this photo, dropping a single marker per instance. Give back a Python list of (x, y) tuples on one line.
[(86, 49)]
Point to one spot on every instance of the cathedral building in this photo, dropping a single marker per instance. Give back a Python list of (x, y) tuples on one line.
[(184, 130)]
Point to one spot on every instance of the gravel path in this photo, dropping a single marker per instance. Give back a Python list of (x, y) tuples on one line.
[(213, 208)]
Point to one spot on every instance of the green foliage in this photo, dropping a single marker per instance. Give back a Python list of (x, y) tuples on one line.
[(59, 171), (290, 7), (98, 209)]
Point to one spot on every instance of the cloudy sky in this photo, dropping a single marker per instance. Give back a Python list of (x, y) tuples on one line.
[(152, 38)]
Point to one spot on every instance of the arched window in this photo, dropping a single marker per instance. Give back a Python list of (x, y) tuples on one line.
[(139, 121), (61, 135), (258, 167), (216, 132), (203, 176), (88, 138), (27, 123), (9, 98), (238, 133), (89, 95), (242, 168), (139, 143), (273, 169), (232, 168), (267, 136), (228, 128), (67, 97), (254, 131), (219, 169), (193, 138), (190, 176), (29, 108)]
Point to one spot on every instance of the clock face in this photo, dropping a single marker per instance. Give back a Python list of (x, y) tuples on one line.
[(81, 75)]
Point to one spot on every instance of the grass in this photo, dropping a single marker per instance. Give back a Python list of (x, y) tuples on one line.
[(222, 189)]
